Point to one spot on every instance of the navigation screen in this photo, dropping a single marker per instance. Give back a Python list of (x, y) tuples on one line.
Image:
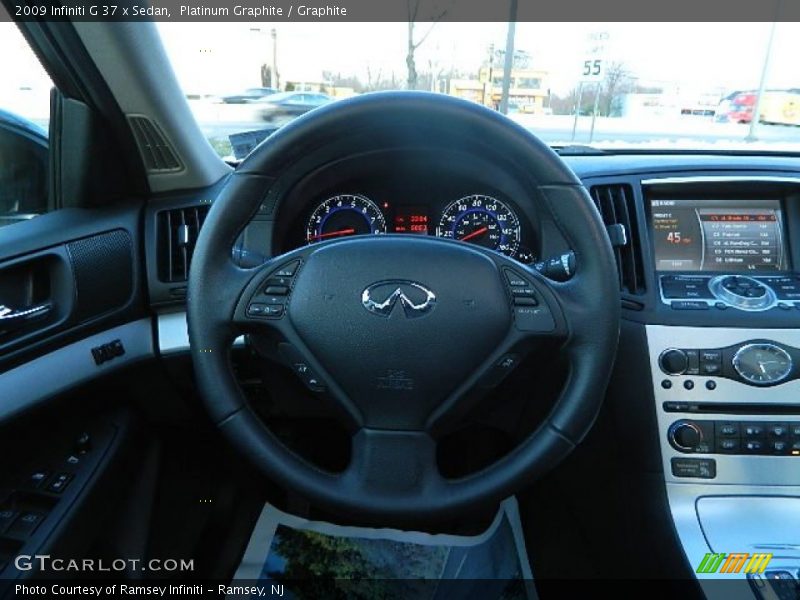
[(718, 235)]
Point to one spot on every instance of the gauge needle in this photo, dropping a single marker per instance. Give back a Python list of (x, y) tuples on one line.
[(475, 233), (332, 234)]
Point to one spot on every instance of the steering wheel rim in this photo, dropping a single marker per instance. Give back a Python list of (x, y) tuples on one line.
[(389, 478)]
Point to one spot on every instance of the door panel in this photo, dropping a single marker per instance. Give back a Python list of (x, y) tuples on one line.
[(65, 276)]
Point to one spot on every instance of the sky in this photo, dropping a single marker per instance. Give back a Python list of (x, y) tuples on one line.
[(705, 55), (221, 58)]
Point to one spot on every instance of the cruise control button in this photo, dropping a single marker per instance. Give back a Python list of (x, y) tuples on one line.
[(274, 299)]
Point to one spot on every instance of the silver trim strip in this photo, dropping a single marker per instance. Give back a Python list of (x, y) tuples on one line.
[(721, 179), (173, 333), (46, 377)]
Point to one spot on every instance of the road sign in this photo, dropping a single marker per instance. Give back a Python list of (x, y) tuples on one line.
[(593, 65)]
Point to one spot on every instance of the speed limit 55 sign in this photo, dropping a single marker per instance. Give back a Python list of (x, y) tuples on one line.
[(593, 63)]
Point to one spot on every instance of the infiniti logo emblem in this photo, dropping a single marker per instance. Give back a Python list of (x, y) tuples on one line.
[(380, 298)]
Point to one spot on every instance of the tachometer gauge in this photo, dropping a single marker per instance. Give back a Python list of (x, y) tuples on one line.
[(481, 220), (762, 364), (343, 215)]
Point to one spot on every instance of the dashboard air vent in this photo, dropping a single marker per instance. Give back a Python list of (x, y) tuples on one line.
[(177, 235), (156, 151), (617, 206)]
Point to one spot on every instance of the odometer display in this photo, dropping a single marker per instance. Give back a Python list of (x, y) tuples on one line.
[(482, 220), (344, 215)]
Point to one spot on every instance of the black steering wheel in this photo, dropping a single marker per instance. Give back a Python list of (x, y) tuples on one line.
[(399, 328)]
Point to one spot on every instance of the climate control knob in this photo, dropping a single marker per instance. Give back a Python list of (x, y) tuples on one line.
[(673, 361), (685, 436)]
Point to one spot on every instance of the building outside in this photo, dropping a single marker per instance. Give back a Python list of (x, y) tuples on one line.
[(528, 91)]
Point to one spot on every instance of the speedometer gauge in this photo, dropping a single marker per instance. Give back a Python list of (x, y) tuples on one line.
[(481, 220), (343, 215)]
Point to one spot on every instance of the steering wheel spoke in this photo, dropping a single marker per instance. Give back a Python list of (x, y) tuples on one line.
[(393, 466)]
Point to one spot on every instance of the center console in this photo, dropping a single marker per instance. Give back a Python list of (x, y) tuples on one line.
[(727, 383)]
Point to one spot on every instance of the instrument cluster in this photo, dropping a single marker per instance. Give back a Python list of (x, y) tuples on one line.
[(478, 218)]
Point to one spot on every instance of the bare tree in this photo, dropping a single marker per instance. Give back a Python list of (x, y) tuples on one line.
[(413, 43), (617, 82)]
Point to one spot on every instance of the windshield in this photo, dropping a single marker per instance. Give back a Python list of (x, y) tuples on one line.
[(692, 86)]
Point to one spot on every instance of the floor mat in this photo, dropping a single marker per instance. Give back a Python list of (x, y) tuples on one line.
[(298, 558)]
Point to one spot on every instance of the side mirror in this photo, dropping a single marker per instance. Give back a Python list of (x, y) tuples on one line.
[(24, 166)]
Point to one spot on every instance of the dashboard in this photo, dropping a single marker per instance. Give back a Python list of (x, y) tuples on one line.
[(707, 380)]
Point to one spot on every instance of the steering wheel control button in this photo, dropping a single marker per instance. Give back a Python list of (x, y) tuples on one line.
[(301, 368), (666, 384), (278, 281), (528, 314), (277, 287), (276, 290), (525, 301), (698, 468), (515, 280), (275, 299), (533, 318), (711, 385), (500, 370), (256, 310), (288, 270)]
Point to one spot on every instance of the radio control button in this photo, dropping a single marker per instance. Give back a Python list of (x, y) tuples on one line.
[(673, 361)]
